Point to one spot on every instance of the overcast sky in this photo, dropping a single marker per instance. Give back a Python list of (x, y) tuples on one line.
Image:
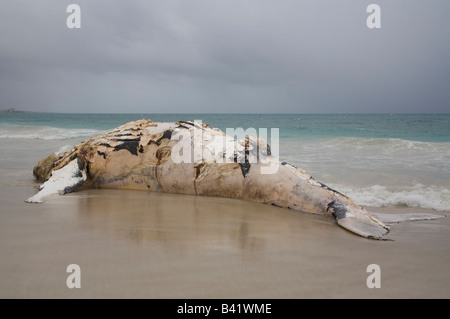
[(225, 56)]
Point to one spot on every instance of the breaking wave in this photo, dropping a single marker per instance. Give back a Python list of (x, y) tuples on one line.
[(43, 132), (378, 172), (431, 197)]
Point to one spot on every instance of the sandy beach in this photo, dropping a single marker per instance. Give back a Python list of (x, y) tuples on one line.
[(137, 244)]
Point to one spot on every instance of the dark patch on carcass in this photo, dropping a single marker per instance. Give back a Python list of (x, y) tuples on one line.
[(198, 169), (81, 163), (131, 145), (137, 139), (269, 151), (78, 174), (245, 168), (101, 154), (187, 123), (71, 188), (167, 134), (123, 134), (330, 189), (132, 129), (338, 210)]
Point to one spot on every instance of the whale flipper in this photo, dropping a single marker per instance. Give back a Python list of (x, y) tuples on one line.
[(358, 220), (62, 181), (374, 226)]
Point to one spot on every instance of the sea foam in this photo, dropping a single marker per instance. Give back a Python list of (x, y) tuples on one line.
[(44, 132), (418, 195)]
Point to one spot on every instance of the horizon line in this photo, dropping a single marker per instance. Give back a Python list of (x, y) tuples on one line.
[(232, 113)]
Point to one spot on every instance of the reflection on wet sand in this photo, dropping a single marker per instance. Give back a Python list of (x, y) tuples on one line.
[(189, 222)]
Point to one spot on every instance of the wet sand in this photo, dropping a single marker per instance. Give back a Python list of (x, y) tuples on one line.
[(136, 244)]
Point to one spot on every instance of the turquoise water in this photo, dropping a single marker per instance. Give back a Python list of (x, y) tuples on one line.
[(378, 160), (413, 127)]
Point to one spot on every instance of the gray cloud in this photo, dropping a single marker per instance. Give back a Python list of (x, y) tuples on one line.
[(225, 56)]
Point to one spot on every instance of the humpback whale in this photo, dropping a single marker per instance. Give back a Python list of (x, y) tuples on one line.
[(164, 157)]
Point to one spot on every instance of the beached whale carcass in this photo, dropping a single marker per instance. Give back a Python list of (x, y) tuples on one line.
[(188, 157)]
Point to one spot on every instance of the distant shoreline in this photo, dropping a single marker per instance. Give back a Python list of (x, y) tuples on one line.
[(11, 110)]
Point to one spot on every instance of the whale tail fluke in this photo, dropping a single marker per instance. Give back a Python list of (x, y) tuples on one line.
[(358, 221)]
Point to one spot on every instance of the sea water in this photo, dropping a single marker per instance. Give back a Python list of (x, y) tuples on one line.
[(378, 160)]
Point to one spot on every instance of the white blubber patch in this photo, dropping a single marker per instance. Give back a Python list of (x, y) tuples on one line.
[(159, 128), (68, 177)]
